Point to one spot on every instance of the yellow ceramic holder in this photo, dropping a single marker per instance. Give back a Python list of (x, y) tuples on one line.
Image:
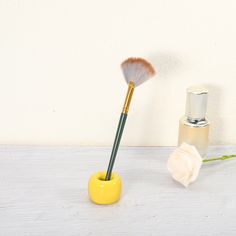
[(104, 192)]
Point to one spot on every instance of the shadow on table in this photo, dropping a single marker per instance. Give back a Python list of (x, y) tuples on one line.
[(153, 179)]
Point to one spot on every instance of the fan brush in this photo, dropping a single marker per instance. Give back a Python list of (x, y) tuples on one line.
[(136, 71)]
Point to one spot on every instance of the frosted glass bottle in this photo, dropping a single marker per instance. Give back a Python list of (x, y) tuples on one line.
[(194, 126)]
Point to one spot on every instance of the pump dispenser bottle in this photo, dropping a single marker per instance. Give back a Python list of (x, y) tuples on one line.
[(194, 126)]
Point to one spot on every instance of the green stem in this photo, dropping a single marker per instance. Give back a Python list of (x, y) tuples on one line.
[(222, 158)]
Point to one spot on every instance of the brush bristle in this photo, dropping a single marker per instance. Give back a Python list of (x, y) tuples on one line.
[(137, 70)]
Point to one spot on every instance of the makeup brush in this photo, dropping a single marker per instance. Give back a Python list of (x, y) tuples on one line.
[(136, 71)]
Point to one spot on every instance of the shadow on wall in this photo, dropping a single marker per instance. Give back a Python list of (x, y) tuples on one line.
[(213, 113), (166, 66)]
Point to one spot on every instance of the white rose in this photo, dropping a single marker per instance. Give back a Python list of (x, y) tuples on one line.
[(184, 164)]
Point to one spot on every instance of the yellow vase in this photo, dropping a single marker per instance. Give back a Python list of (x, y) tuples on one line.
[(104, 192)]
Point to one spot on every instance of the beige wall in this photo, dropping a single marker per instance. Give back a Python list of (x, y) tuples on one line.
[(60, 78)]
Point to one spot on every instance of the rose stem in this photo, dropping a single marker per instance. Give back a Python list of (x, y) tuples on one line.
[(220, 158)]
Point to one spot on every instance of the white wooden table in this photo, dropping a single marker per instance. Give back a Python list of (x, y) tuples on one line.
[(43, 191)]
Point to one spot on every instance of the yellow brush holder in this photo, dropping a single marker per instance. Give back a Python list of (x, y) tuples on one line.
[(104, 192)]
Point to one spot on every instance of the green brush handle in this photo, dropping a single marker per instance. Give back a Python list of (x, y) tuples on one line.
[(116, 144)]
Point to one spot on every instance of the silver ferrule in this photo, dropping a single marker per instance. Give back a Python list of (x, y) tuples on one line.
[(196, 104)]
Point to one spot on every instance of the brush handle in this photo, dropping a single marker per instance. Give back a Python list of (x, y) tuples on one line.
[(116, 144)]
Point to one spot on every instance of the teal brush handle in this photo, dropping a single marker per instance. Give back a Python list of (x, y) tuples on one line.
[(116, 144)]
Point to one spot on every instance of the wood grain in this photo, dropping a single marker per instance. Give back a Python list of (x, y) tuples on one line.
[(43, 191)]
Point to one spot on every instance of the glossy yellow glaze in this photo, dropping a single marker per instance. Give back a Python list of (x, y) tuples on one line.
[(104, 192)]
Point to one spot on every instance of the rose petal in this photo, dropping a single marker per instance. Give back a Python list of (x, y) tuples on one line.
[(184, 164)]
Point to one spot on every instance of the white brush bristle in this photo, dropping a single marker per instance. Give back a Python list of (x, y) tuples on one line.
[(137, 70)]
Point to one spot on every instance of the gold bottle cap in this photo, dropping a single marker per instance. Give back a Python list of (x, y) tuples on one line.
[(196, 102)]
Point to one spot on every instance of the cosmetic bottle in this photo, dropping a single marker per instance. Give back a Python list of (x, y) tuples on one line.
[(194, 126)]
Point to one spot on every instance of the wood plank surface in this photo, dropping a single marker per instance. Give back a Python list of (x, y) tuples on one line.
[(43, 191)]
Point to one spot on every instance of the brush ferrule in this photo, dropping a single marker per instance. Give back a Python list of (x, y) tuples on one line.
[(128, 97)]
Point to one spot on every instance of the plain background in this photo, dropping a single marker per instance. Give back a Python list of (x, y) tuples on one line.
[(60, 77)]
